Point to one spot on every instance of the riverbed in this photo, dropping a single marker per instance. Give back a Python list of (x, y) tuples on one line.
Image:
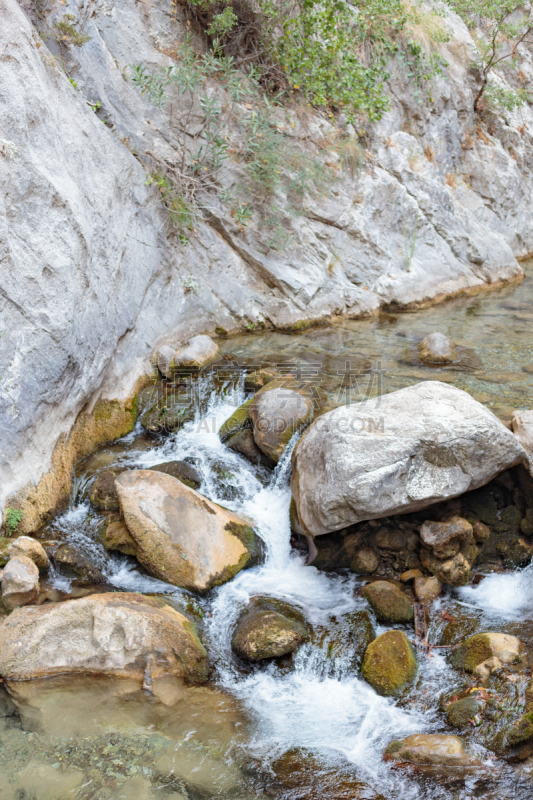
[(312, 728)]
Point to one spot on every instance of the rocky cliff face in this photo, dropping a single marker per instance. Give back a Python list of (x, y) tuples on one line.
[(92, 278)]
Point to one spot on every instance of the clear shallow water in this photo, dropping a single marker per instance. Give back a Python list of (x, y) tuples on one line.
[(225, 740)]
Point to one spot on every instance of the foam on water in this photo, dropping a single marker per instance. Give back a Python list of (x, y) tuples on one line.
[(509, 595)]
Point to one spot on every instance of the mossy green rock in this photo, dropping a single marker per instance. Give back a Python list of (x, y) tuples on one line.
[(268, 628), (168, 415), (239, 420), (390, 604), (4, 544), (390, 663), (460, 712), (482, 646)]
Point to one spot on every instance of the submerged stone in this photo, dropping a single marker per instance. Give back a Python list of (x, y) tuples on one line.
[(437, 348), (432, 749)]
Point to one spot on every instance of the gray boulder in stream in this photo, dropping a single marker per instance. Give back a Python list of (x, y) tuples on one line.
[(396, 453), (182, 537)]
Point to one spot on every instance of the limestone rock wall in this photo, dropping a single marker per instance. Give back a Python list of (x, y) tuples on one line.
[(92, 279)]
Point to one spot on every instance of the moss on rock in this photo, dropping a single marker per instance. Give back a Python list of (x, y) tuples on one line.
[(390, 663), (390, 604), (482, 646)]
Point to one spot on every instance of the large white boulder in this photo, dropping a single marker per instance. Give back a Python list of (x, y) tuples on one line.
[(396, 453), (120, 634), (180, 536)]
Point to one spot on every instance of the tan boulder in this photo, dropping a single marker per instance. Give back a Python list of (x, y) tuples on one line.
[(20, 582), (31, 548), (432, 749), (120, 634), (182, 537), (445, 538), (427, 588)]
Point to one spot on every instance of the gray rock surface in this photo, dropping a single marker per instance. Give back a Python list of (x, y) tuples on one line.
[(276, 415), (92, 279), (111, 634), (199, 351), (396, 453), (20, 582)]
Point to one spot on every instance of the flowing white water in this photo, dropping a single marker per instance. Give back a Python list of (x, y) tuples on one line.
[(320, 705), (509, 595)]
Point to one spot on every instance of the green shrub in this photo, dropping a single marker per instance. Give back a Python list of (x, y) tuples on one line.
[(498, 31), (13, 520), (67, 33)]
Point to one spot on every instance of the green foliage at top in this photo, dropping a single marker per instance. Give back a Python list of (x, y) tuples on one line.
[(503, 25), (334, 53), (68, 33), (13, 520)]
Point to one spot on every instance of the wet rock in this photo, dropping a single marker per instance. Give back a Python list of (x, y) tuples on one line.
[(390, 663), (243, 442), (118, 634), (365, 562), (345, 639), (114, 535), (432, 749), (427, 589), (78, 564), (410, 575), (168, 414), (259, 378), (389, 603), (27, 546), (304, 775), (268, 628), (480, 530), (103, 494), (452, 571), (20, 582), (526, 525), (239, 420), (276, 415), (390, 539), (439, 443), (522, 425), (488, 667), (184, 472), (445, 538), (460, 712), (484, 646), (437, 349), (180, 536)]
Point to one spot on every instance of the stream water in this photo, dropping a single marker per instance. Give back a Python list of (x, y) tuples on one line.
[(314, 729)]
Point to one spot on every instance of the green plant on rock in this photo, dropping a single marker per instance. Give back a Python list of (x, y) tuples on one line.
[(13, 519), (502, 99), (68, 34), (499, 27)]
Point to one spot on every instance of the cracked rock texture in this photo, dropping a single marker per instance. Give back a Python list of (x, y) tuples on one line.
[(91, 278)]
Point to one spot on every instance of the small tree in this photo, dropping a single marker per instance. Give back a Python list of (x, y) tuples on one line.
[(504, 25)]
